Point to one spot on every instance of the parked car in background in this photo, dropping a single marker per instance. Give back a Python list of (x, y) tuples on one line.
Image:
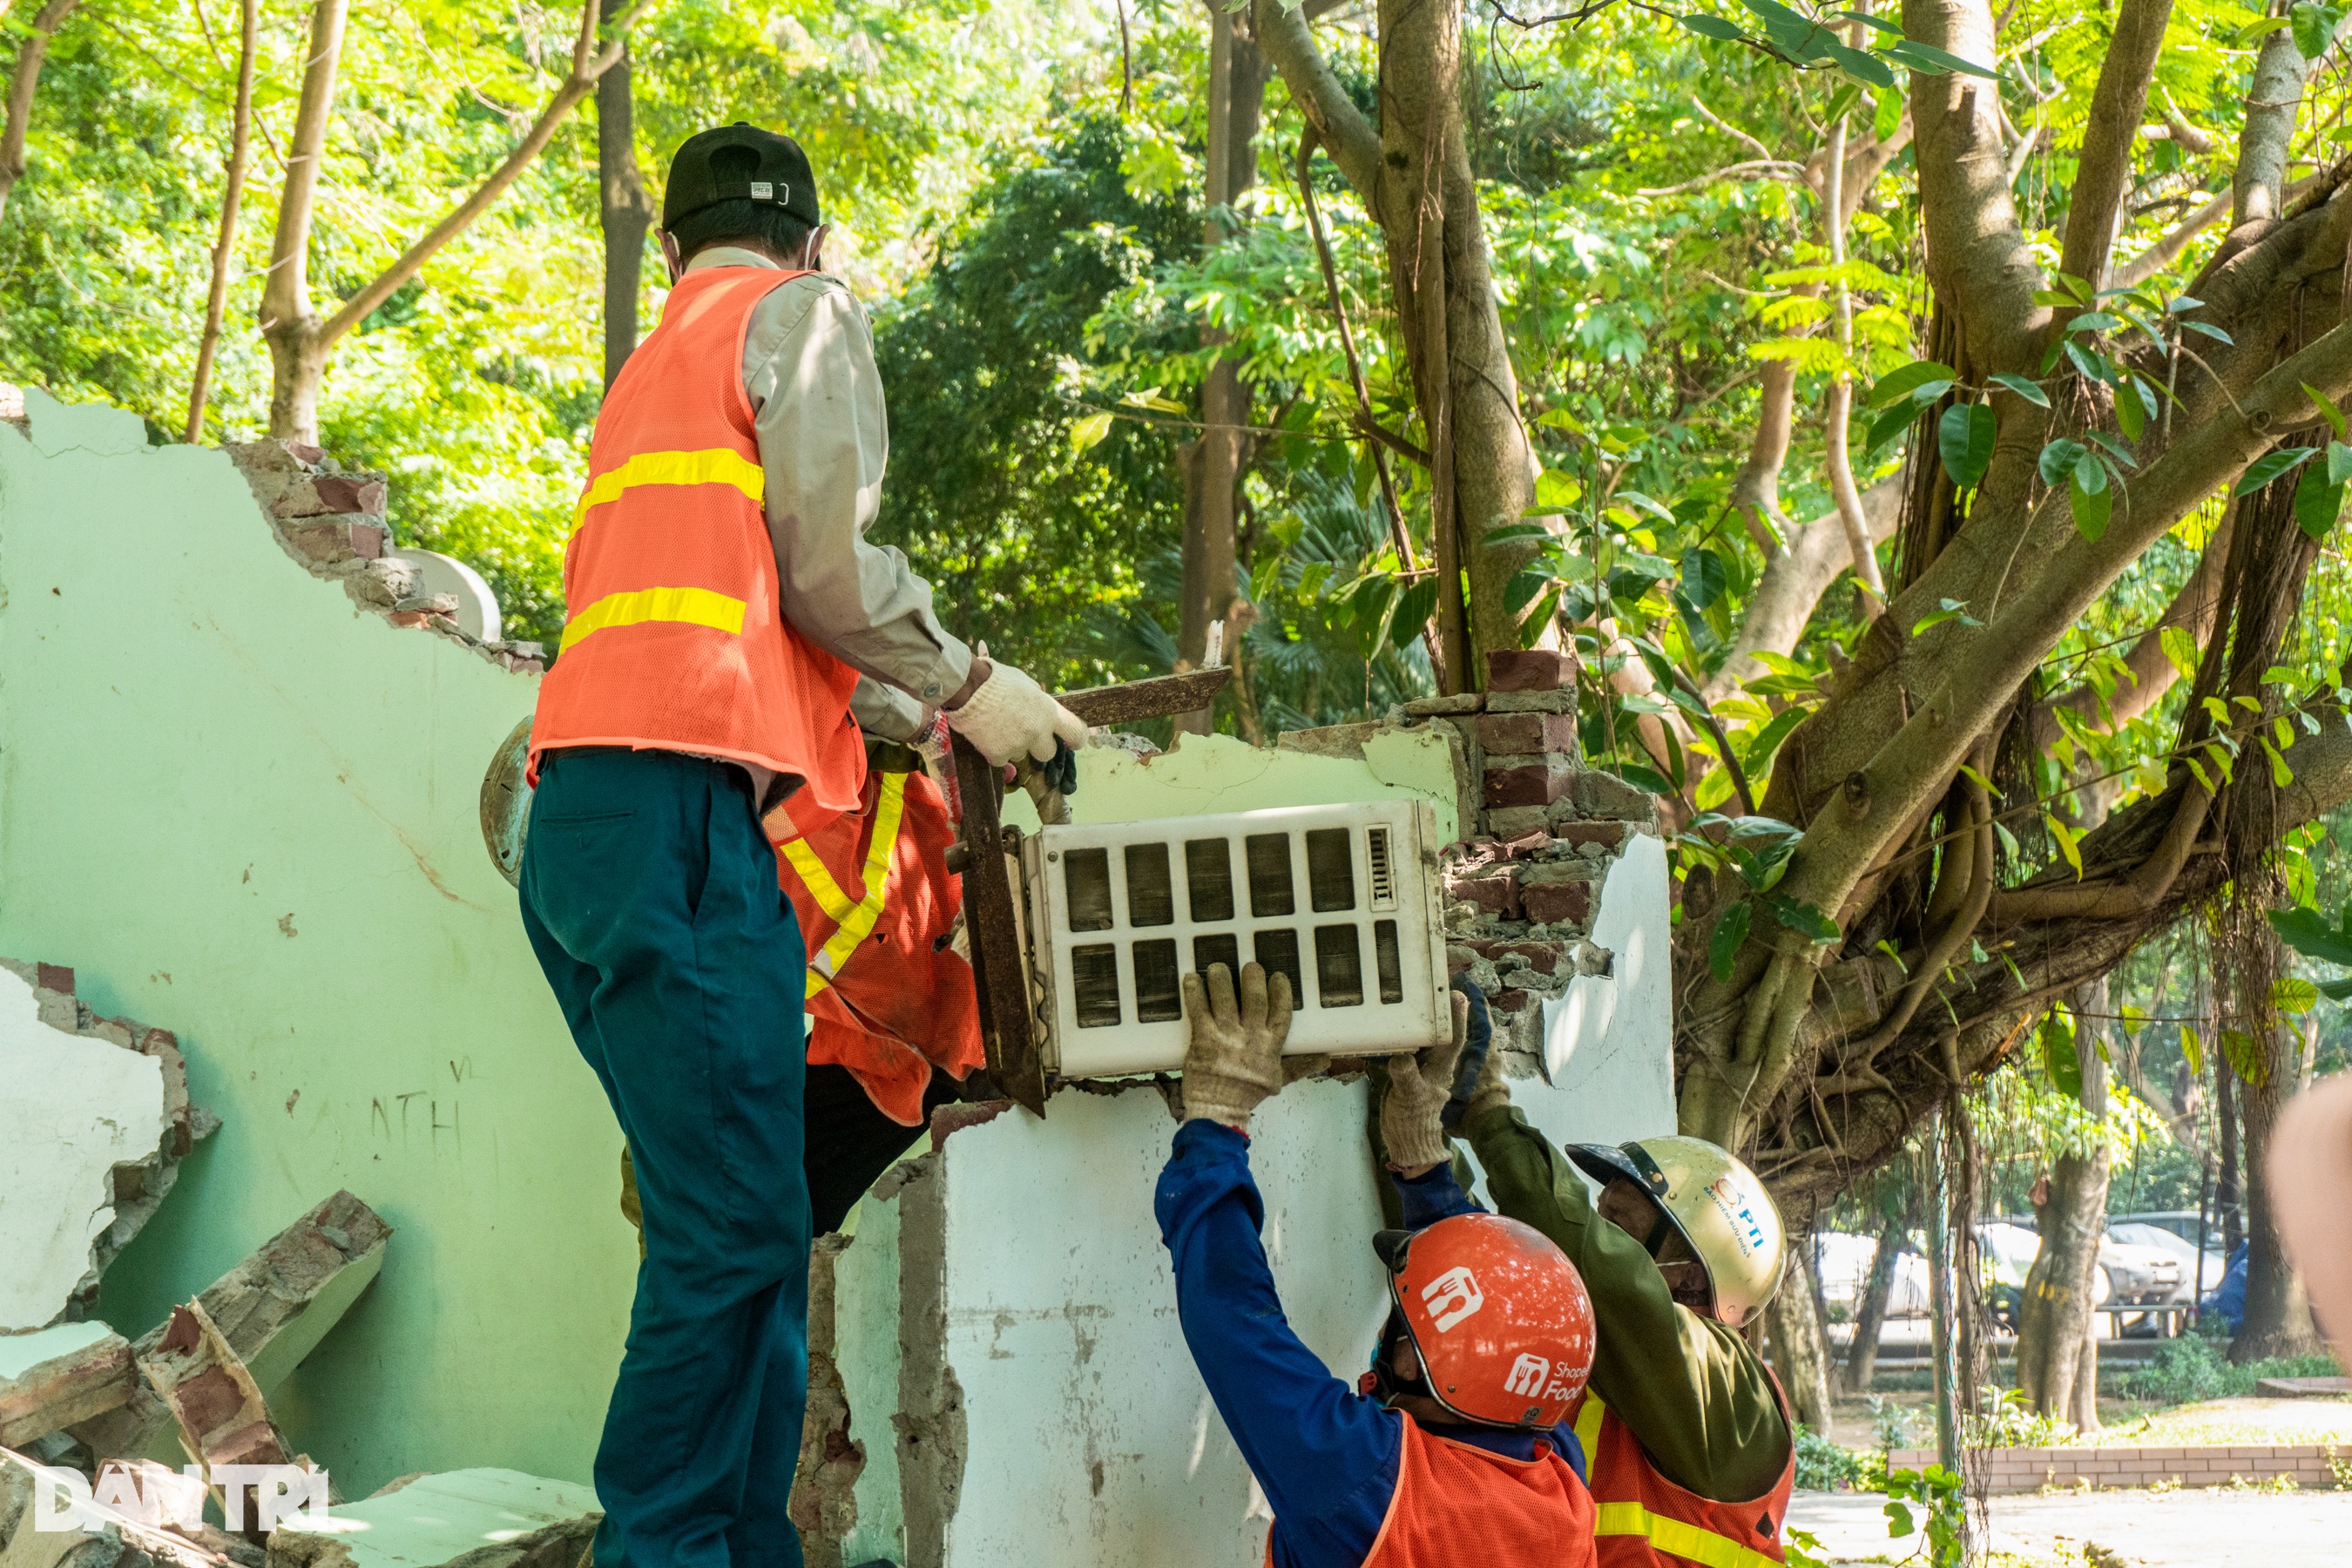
[(2135, 1231), (1842, 1263)]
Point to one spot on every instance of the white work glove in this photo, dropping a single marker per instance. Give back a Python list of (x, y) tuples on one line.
[(1232, 1051), (1011, 716), (1418, 1086)]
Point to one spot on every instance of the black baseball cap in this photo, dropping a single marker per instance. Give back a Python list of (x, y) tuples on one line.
[(777, 172)]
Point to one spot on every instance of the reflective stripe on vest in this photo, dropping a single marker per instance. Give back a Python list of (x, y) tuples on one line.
[(691, 607), (854, 922), (715, 466), (1678, 1537)]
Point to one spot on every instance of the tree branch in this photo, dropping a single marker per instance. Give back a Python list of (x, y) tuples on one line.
[(286, 296), (2272, 101), (1793, 583), (2103, 165), (232, 191), (588, 63), (1341, 127), (2151, 670)]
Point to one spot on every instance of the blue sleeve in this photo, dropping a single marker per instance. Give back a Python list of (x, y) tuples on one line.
[(1326, 1456), (1433, 1196)]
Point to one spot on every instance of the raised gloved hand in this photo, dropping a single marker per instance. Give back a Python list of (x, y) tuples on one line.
[(1232, 1057), (1010, 716), (1490, 1090), (1418, 1086)]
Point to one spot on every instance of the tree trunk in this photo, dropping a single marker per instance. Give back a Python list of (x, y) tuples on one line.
[(1799, 1353), (2226, 1199), (2278, 1319), (22, 79), (1237, 78), (1412, 171), (625, 209), (2057, 1356), (1870, 1312)]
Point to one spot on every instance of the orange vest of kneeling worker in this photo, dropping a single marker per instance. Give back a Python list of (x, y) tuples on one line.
[(889, 1000)]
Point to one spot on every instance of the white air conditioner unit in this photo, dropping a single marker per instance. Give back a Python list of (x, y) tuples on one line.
[(1342, 899)]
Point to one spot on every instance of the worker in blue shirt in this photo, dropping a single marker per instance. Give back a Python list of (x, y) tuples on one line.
[(1456, 1448)]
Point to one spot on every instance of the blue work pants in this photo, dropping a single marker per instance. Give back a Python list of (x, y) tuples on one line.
[(650, 893)]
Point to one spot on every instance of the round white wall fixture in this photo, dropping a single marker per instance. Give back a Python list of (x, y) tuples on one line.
[(478, 607)]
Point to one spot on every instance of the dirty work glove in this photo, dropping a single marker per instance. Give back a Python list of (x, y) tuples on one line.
[(1010, 716), (1232, 1057), (1467, 1071), (1418, 1086)]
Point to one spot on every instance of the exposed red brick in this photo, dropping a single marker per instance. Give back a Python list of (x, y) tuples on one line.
[(1607, 833), (367, 542), (413, 619), (1497, 894), (1520, 734), (1526, 844), (1530, 669), (343, 493), (1511, 1001), (1542, 955), (1455, 965), (56, 977), (1535, 784), (1553, 901), (303, 453)]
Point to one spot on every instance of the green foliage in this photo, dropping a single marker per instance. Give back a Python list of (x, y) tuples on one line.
[(1024, 534), (2009, 1422), (2192, 1368), (1940, 1494), (1824, 1466)]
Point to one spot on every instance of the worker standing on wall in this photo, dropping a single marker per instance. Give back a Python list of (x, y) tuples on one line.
[(1451, 1453), (725, 619), (1691, 1453)]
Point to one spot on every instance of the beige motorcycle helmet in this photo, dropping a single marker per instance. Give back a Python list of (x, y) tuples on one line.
[(1718, 1205)]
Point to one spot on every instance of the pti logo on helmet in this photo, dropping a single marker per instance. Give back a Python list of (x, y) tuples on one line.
[(1527, 1375), (1745, 1228), (1452, 1297)]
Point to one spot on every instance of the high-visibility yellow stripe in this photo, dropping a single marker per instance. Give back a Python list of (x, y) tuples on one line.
[(853, 922), (1587, 1426), (1678, 1537), (715, 466), (695, 606)]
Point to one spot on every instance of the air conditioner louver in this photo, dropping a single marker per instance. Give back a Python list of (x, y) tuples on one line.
[(1341, 899)]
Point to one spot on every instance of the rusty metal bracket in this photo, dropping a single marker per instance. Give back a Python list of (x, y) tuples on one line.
[(999, 973), (1162, 697)]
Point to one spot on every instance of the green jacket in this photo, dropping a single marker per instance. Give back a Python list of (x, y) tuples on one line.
[(1690, 1389)]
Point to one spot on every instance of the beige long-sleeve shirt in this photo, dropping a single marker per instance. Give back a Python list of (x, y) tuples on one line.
[(824, 440)]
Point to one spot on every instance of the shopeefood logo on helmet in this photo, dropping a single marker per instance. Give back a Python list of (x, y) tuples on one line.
[(1452, 1297)]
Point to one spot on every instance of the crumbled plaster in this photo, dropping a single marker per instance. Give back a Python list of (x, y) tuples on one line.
[(331, 520), (94, 1116)]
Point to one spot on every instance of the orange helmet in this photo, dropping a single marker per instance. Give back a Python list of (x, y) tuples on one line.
[(1498, 1316)]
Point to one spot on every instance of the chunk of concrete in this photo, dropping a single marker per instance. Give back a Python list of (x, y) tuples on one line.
[(94, 1116), (463, 1519), (273, 1309), (58, 1376)]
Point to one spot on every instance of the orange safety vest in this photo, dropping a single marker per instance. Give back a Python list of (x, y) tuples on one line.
[(672, 637), (1456, 1503), (887, 998), (1644, 1521)]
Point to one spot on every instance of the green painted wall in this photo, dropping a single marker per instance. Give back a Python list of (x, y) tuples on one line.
[(245, 811)]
